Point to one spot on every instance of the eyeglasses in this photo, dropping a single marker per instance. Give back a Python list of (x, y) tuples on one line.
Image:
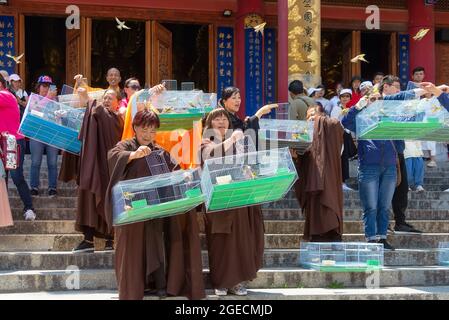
[(135, 87)]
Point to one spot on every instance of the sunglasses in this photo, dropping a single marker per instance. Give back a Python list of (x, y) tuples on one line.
[(375, 99)]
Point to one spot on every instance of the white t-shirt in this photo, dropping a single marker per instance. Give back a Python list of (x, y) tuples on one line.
[(21, 94)]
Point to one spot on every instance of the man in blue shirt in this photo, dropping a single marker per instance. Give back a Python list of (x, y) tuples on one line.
[(377, 164)]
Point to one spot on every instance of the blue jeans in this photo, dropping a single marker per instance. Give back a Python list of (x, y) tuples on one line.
[(415, 171), (37, 150), (19, 180), (376, 188)]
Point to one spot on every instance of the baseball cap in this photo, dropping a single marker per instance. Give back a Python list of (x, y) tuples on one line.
[(345, 91), (311, 91), (14, 77), (45, 79), (366, 84), (5, 75)]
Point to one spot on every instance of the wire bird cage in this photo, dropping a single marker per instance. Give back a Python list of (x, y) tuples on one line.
[(156, 196), (73, 99), (52, 123), (341, 256), (247, 178), (293, 134), (415, 119)]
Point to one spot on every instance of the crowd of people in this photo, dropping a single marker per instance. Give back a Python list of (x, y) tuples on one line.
[(163, 256)]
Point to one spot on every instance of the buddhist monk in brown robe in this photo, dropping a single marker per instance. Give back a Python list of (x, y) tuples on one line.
[(160, 254), (319, 189), (235, 237), (101, 131)]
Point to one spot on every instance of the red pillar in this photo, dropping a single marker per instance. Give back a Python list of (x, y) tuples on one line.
[(282, 78), (244, 8), (422, 53)]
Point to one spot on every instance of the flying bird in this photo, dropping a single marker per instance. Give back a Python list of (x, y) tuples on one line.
[(360, 57), (260, 28), (121, 25), (421, 34), (16, 59)]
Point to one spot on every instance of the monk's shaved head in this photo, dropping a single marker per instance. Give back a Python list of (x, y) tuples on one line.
[(113, 70)]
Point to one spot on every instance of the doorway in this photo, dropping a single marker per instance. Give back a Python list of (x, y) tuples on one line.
[(190, 57), (121, 49), (45, 49), (376, 47)]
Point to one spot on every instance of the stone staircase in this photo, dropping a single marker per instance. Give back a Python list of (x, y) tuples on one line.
[(35, 257)]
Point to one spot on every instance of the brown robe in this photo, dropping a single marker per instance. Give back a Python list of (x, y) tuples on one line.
[(101, 131), (69, 167), (235, 240), (158, 253), (319, 188)]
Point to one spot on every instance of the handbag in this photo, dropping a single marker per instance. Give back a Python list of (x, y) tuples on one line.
[(10, 151)]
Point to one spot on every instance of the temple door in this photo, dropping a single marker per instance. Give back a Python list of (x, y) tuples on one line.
[(161, 53), (78, 51), (347, 56)]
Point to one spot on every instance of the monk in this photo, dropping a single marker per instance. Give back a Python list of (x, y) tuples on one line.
[(101, 131), (319, 189), (235, 237), (163, 255)]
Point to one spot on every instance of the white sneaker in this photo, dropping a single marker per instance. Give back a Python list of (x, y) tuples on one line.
[(346, 188), (238, 290), (420, 189), (432, 164), (30, 215), (221, 292)]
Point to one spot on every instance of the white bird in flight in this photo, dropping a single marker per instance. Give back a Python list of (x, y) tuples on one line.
[(260, 28), (121, 25), (360, 57), (16, 59), (421, 34)]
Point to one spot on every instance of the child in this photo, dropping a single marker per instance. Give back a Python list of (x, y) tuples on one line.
[(415, 165)]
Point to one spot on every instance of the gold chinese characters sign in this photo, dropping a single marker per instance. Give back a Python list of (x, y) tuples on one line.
[(304, 41)]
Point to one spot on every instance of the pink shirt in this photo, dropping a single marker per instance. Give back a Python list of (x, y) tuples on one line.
[(9, 114)]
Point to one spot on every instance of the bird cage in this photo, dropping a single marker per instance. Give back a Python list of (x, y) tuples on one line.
[(247, 178), (187, 86), (401, 120), (73, 100), (171, 85), (293, 134), (154, 197), (52, 123), (341, 256)]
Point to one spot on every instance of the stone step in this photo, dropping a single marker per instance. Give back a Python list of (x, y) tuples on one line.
[(312, 294), (40, 227), (46, 213), (66, 242), (273, 258), (97, 279), (62, 192), (269, 214), (66, 191), (271, 226), (353, 214), (433, 203)]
